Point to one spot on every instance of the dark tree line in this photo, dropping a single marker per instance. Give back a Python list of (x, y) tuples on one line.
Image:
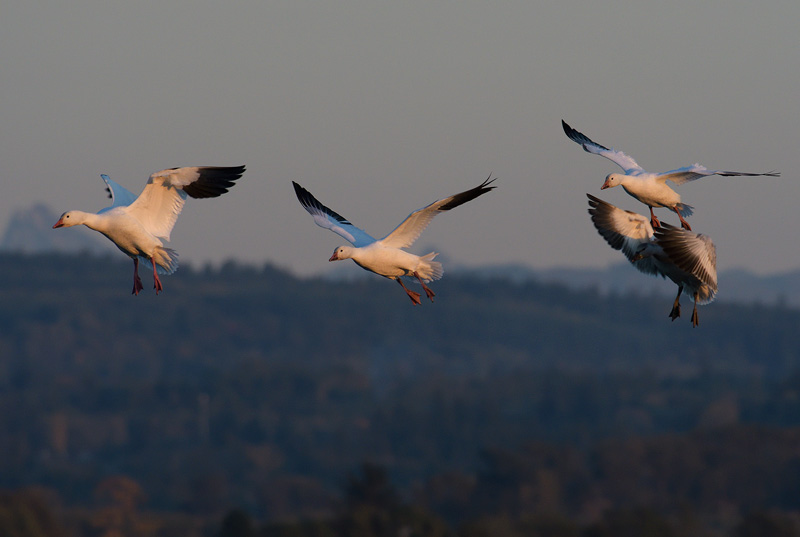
[(500, 408)]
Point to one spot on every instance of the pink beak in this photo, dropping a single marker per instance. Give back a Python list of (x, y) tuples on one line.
[(60, 223), (605, 185), (334, 257)]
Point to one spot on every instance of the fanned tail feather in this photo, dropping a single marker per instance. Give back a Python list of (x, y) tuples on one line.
[(166, 261), (685, 210), (430, 270), (705, 295)]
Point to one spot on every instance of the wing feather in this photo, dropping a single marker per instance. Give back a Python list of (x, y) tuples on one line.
[(412, 227), (618, 157), (120, 196), (162, 199), (329, 219), (624, 230), (696, 171), (691, 252), (202, 181)]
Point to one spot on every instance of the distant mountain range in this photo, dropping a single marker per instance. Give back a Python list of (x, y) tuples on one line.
[(30, 231)]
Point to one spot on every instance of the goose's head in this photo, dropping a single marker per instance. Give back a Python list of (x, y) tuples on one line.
[(341, 252), (69, 219), (612, 179)]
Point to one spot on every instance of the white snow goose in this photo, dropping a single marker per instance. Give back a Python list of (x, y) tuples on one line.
[(689, 259), (138, 225), (651, 188), (386, 256)]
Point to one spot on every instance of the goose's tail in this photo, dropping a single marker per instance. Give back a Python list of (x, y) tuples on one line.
[(166, 260), (684, 210), (428, 269)]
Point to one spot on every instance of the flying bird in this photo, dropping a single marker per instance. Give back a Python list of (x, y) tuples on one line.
[(651, 188), (687, 258), (386, 256), (137, 225)]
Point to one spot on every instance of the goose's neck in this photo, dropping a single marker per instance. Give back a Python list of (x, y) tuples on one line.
[(93, 221)]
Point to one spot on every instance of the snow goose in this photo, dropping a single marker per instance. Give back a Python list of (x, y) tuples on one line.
[(386, 256), (689, 259), (136, 225), (651, 188)]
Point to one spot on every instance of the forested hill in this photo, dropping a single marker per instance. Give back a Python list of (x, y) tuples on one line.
[(57, 307), (246, 386)]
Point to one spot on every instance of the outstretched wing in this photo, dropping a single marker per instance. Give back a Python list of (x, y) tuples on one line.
[(162, 199), (691, 252), (407, 232), (120, 196), (329, 219), (618, 157), (696, 171), (624, 230)]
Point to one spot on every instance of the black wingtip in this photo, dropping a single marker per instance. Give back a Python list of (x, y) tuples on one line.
[(572, 134), (303, 196), (594, 204), (307, 200), (569, 131), (485, 185), (579, 138), (300, 192), (469, 195), (104, 177), (214, 181), (600, 213)]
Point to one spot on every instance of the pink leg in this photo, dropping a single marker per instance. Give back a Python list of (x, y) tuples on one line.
[(156, 282), (428, 291), (684, 223), (411, 294), (137, 281), (653, 220)]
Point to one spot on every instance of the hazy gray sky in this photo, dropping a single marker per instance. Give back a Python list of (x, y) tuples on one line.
[(379, 108)]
